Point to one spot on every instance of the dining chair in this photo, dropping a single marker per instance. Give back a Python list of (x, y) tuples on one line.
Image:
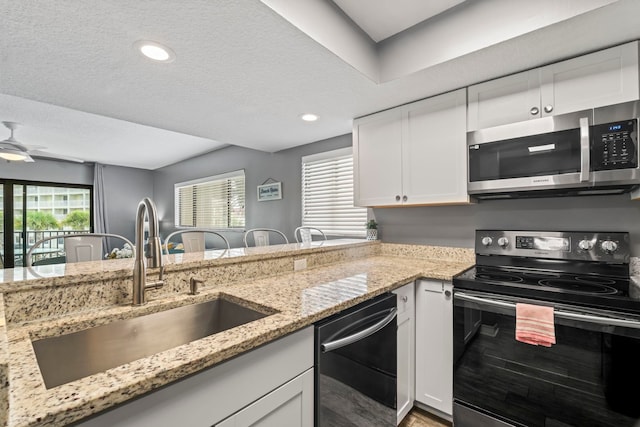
[(260, 236), (75, 248), (305, 234), (195, 239)]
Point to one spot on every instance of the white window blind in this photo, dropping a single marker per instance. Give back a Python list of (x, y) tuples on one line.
[(327, 194), (212, 202)]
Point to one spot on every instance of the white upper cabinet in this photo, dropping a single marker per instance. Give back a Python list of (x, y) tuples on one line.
[(377, 156), (413, 155), (606, 77)]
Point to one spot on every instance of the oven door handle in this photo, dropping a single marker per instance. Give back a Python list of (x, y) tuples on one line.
[(360, 335), (561, 314)]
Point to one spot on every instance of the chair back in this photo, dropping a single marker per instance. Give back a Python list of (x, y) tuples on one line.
[(305, 234), (82, 248), (260, 236), (194, 239), (77, 248)]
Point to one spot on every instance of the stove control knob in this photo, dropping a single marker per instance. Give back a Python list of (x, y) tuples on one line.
[(487, 241), (585, 245), (503, 242), (609, 246)]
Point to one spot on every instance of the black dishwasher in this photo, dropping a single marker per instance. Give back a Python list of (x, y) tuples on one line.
[(356, 366)]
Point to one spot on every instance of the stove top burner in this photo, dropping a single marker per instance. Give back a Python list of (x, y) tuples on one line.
[(594, 285), (591, 289), (499, 277), (578, 286)]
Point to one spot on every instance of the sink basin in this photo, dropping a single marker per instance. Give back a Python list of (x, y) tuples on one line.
[(69, 357)]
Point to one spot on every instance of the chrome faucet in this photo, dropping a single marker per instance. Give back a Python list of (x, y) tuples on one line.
[(140, 285)]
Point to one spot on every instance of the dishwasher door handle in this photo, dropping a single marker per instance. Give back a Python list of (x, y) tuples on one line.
[(350, 339)]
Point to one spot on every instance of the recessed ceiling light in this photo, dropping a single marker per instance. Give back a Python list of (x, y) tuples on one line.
[(155, 51), (309, 117)]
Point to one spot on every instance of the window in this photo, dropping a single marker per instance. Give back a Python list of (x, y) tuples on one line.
[(212, 202), (327, 194), (34, 215)]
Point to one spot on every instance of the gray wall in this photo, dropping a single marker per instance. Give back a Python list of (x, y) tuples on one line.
[(124, 187), (283, 166), (456, 225)]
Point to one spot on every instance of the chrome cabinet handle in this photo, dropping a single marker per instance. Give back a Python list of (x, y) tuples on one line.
[(397, 198), (405, 298), (447, 294), (334, 345), (404, 198), (559, 314), (548, 108), (534, 111), (585, 155)]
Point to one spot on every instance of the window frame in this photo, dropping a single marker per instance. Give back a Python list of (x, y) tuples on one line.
[(8, 211), (209, 179), (355, 232)]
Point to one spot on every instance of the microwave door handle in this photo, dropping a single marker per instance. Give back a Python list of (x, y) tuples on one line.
[(560, 314), (360, 335), (585, 152)]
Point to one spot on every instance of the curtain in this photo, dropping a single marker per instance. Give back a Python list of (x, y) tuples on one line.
[(100, 220)]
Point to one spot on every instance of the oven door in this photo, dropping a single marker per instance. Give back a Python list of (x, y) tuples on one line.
[(590, 377)]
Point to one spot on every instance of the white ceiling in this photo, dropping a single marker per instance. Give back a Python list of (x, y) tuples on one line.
[(381, 19), (243, 74)]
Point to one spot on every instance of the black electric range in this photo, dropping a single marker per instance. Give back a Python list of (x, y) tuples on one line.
[(587, 377)]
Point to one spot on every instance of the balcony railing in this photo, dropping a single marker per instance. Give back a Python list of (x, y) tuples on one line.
[(49, 249)]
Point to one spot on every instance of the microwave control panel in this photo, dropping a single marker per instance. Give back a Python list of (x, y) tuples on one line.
[(614, 145)]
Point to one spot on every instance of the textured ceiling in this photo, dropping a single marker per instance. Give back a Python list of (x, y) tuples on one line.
[(242, 75)]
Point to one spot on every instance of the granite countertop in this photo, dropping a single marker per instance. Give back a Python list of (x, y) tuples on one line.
[(297, 299)]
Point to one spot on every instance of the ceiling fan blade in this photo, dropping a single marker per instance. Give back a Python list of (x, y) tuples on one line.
[(47, 155)]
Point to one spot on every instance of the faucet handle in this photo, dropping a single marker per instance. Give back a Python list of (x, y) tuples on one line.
[(193, 285)]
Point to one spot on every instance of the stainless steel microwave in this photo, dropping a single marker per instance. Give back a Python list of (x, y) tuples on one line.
[(587, 152)]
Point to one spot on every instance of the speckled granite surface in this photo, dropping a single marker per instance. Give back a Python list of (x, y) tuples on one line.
[(4, 368), (297, 299)]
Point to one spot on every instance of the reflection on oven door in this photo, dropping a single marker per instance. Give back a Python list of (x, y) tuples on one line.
[(589, 378)]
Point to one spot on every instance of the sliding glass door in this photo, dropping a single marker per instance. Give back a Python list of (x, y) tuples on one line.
[(33, 211)]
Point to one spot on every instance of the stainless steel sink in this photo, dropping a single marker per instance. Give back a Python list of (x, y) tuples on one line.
[(69, 357)]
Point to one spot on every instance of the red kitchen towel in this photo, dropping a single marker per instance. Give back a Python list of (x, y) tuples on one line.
[(534, 325)]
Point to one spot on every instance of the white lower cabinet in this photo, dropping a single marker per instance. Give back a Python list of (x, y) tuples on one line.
[(269, 386), (406, 349), (434, 345), (288, 406)]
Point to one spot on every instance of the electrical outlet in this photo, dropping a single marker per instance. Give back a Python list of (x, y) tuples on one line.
[(299, 264)]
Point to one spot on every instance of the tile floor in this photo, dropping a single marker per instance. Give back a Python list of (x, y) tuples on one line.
[(419, 418)]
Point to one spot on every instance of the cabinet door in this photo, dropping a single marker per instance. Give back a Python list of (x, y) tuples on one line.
[(288, 406), (434, 150), (509, 99), (434, 345), (406, 349), (212, 395), (377, 159), (602, 78)]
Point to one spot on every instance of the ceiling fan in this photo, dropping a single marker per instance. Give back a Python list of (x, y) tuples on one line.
[(13, 150)]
